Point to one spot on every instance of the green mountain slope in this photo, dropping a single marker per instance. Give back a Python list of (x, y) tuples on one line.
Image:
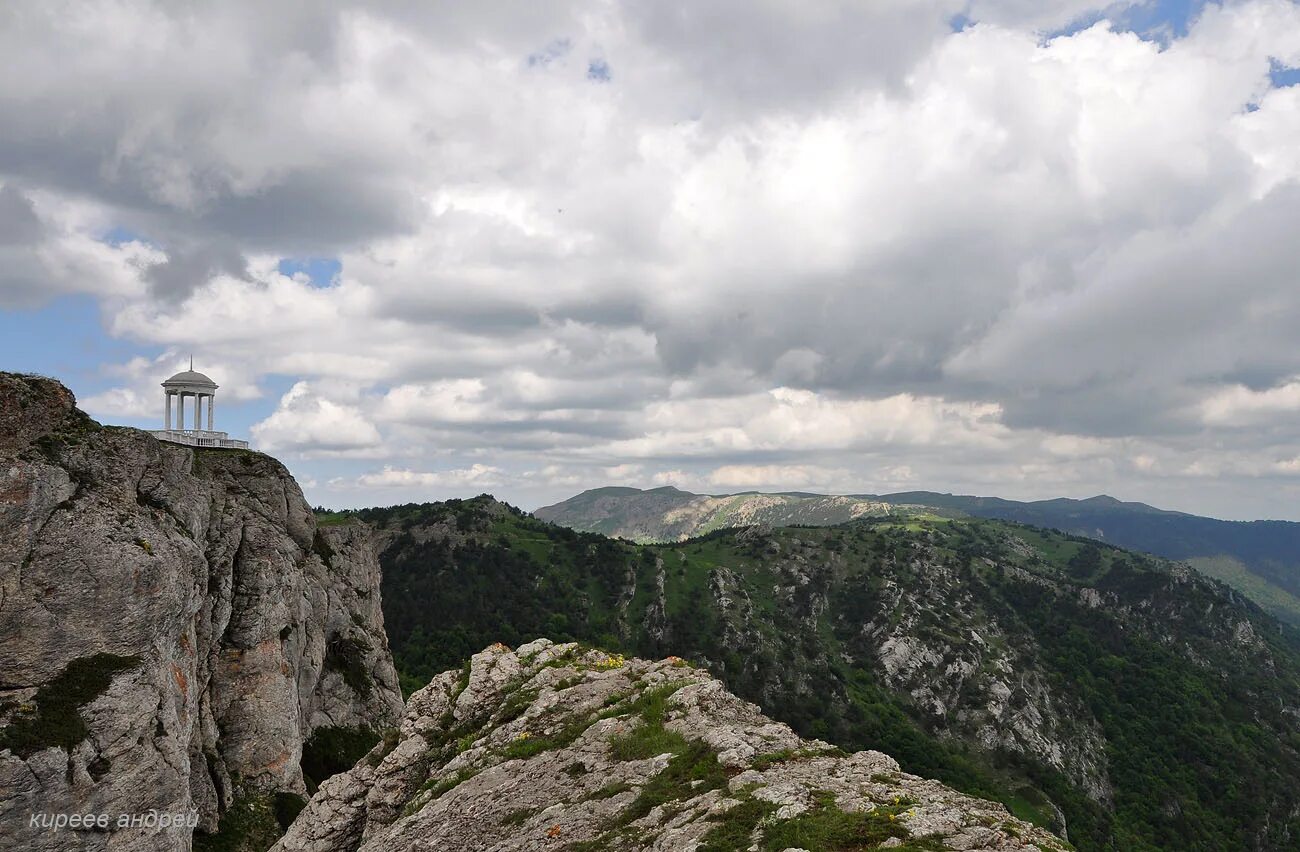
[(1134, 703), (1261, 559)]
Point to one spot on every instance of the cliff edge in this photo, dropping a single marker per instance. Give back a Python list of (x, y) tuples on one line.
[(174, 631)]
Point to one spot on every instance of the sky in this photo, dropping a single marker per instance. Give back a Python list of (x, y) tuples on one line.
[(1024, 248)]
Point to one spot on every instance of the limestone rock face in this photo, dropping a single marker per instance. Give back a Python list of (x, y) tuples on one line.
[(173, 626), (552, 747)]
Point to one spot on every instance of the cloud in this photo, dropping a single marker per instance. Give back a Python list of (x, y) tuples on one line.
[(475, 476), (19, 224), (308, 422), (648, 243), (50, 246), (1240, 405), (788, 420), (122, 402), (776, 476)]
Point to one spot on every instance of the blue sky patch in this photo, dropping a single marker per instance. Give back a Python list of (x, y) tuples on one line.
[(553, 51), (1161, 20), (121, 236), (1153, 20), (61, 338), (1281, 75), (323, 271), (598, 70)]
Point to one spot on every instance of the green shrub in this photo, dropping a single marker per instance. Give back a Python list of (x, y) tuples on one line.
[(391, 737), (347, 656), (695, 763), (766, 761), (826, 826), (287, 807), (334, 749), (643, 741), (518, 817), (736, 826), (58, 721), (436, 789), (651, 738), (249, 824), (522, 748), (321, 547)]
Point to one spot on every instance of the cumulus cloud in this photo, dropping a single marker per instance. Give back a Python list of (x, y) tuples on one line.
[(50, 246), (475, 476), (309, 422), (1240, 405), (121, 402), (856, 245), (777, 476)]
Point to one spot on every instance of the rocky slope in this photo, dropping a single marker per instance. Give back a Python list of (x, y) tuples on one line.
[(564, 748), (174, 628), (1261, 559), (1125, 700)]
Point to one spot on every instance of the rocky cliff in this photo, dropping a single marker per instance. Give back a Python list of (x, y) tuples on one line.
[(174, 627), (559, 747)]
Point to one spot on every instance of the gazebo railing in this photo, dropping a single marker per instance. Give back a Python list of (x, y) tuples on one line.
[(199, 438)]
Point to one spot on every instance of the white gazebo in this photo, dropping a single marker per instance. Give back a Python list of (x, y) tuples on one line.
[(191, 385)]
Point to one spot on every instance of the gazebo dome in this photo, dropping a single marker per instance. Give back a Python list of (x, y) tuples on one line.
[(198, 388), (190, 377)]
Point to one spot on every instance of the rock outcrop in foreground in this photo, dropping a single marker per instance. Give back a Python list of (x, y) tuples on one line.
[(174, 629), (558, 747)]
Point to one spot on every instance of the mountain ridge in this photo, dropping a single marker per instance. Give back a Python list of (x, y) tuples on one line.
[(1259, 558)]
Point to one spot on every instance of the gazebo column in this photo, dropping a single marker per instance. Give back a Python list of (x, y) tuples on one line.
[(211, 405), (167, 417)]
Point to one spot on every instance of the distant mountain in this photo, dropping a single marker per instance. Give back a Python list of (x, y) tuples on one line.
[(670, 514), (1261, 559), (1123, 700)]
